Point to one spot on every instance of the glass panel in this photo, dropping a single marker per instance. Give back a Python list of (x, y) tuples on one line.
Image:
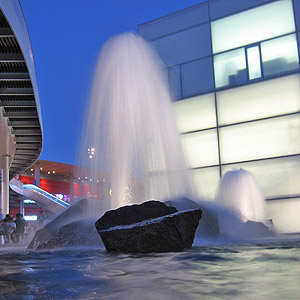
[(197, 77), (195, 113), (297, 13), (230, 68), (253, 57), (285, 214), (253, 25), (280, 55), (277, 177), (180, 20), (260, 100), (219, 10), (206, 182), (261, 139), (201, 148), (184, 46), (175, 82)]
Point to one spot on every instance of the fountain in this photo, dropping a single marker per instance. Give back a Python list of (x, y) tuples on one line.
[(239, 191), (240, 207), (130, 121), (131, 124)]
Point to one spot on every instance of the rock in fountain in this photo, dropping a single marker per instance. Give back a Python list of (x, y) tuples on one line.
[(68, 229), (149, 227), (209, 227)]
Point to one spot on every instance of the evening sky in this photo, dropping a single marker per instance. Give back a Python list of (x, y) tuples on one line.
[(66, 37)]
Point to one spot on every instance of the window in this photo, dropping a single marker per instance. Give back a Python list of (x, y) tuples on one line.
[(253, 59), (197, 77), (268, 138), (263, 99), (230, 68), (252, 26), (201, 148), (195, 113), (276, 177), (206, 182), (184, 46), (280, 55), (284, 214), (175, 82)]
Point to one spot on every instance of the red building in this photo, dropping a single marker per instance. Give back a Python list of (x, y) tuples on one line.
[(67, 182)]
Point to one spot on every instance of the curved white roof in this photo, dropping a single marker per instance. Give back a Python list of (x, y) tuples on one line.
[(21, 130)]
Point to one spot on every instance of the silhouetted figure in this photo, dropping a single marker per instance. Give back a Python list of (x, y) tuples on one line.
[(9, 227), (20, 227), (41, 219), (8, 216)]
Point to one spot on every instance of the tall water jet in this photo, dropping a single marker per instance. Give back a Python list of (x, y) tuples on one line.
[(132, 126), (239, 191)]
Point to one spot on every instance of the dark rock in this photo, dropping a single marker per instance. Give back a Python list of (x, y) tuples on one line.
[(182, 203), (170, 233), (252, 229), (209, 227), (49, 231), (78, 233), (131, 214)]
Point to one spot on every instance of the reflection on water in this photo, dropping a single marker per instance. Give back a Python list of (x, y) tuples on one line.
[(253, 271)]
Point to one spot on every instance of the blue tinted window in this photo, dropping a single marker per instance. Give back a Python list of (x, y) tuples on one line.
[(197, 77), (177, 21), (221, 8), (297, 13), (175, 82), (184, 46)]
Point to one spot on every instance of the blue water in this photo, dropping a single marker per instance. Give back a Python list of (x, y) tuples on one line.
[(266, 270)]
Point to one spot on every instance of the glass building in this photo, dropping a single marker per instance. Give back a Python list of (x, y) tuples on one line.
[(233, 68)]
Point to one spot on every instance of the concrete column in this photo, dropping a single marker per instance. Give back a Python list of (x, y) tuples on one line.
[(22, 209), (71, 188), (5, 186), (37, 174)]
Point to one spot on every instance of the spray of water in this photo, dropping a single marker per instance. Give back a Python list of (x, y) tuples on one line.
[(239, 192), (132, 127)]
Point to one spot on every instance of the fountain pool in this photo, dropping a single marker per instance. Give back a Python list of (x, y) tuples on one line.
[(136, 139), (266, 270)]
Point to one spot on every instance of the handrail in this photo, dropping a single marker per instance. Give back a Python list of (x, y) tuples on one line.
[(46, 194)]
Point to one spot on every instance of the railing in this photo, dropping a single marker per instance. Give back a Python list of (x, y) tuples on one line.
[(46, 194)]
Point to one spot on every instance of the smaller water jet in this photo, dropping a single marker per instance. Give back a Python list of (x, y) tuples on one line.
[(239, 191), (240, 207)]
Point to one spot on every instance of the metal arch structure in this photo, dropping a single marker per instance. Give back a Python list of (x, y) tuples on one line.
[(19, 96), (21, 132)]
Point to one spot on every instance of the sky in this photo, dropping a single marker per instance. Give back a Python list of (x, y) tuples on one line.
[(66, 38)]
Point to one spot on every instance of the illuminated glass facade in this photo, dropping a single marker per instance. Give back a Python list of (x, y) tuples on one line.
[(233, 69)]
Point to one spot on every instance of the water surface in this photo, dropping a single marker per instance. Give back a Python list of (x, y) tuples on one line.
[(265, 270)]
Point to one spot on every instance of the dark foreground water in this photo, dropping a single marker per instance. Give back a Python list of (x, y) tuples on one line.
[(266, 270)]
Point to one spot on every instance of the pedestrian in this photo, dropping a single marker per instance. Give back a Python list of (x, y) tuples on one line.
[(20, 228), (9, 227)]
